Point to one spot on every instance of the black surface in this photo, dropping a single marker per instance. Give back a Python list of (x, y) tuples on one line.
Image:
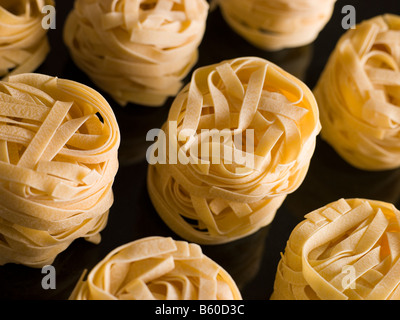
[(251, 261)]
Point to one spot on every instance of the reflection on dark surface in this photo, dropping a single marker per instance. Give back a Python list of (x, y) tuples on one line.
[(24, 283), (134, 125), (241, 258), (251, 261), (330, 178)]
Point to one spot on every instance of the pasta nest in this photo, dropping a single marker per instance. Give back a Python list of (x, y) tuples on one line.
[(346, 250), (359, 95), (238, 138), (58, 158), (23, 40), (157, 268), (279, 24), (136, 51)]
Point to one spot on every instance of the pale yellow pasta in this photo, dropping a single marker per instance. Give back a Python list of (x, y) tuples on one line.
[(214, 190), (359, 95), (23, 40), (157, 268), (346, 250), (277, 24), (137, 51), (58, 159)]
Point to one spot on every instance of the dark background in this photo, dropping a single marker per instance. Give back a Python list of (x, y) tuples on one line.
[(251, 261)]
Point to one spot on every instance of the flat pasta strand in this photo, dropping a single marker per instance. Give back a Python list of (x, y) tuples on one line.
[(23, 41), (58, 158), (359, 95), (136, 51), (157, 268), (239, 138), (346, 250), (278, 24)]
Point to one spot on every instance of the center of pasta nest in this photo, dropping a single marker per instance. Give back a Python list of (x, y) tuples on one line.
[(245, 140)]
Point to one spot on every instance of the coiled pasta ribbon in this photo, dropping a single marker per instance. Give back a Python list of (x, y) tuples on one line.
[(23, 40), (278, 24), (137, 51), (359, 95), (245, 133), (58, 159), (157, 268), (348, 249)]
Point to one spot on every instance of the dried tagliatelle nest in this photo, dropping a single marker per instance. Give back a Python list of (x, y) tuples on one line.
[(346, 250), (277, 24), (157, 268), (359, 95), (58, 159), (238, 138), (136, 51), (23, 41)]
